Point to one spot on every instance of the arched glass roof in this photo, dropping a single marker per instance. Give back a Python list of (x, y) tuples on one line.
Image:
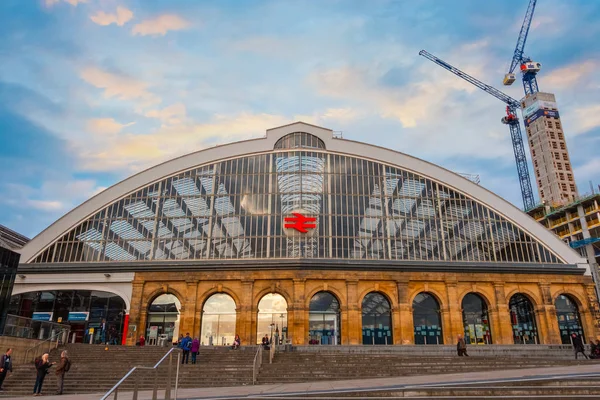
[(235, 209), (299, 140)]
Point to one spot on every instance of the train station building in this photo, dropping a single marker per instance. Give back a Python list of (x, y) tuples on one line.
[(313, 238)]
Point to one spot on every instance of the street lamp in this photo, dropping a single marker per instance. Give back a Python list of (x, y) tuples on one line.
[(271, 325), (282, 316)]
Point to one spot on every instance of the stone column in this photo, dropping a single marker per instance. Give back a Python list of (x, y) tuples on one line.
[(188, 321), (502, 332), (244, 314), (354, 327), (403, 318), (296, 315), (591, 321), (455, 315), (137, 313), (548, 314)]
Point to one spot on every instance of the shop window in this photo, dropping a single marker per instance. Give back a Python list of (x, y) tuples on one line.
[(476, 320), (324, 320), (569, 320), (522, 317), (427, 320), (376, 320)]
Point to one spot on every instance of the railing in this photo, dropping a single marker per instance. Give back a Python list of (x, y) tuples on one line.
[(28, 328), (52, 342), (115, 389), (257, 364)]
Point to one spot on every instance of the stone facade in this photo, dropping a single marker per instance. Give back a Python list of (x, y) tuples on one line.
[(298, 286)]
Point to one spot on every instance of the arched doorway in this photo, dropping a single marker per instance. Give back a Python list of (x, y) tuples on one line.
[(476, 320), (569, 320), (218, 320), (324, 319), (426, 320), (522, 318), (376, 319), (272, 318), (163, 320)]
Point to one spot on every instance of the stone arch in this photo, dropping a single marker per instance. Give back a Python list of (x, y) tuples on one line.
[(263, 292), (80, 286), (377, 327), (480, 293), (150, 297), (208, 293), (428, 323), (581, 302), (436, 295), (534, 298), (390, 297), (334, 291)]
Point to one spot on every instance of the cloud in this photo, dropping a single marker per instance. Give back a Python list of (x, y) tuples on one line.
[(173, 114), (160, 25), (53, 196), (587, 118), (50, 3), (571, 75), (126, 151), (106, 126), (119, 86), (120, 18)]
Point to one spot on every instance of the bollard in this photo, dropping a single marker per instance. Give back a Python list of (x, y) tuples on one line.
[(177, 374), (136, 387), (155, 389), (116, 393)]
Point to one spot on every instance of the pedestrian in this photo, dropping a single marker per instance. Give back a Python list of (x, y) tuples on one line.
[(461, 346), (103, 332), (265, 342), (195, 349), (186, 345), (5, 366), (236, 342), (63, 367), (42, 367), (578, 345)]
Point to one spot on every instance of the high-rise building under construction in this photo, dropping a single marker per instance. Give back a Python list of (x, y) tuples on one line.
[(549, 154)]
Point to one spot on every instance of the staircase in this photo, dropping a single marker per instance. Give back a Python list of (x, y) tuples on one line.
[(297, 366), (96, 370)]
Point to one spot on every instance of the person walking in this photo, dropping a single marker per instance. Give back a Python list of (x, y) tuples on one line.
[(578, 346), (186, 345), (461, 346), (195, 349), (5, 366), (42, 367), (103, 332), (63, 367)]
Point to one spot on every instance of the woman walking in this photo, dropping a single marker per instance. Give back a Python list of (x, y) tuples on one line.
[(42, 367)]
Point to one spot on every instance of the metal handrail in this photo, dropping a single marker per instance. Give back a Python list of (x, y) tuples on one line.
[(257, 364), (56, 336), (272, 353), (115, 389)]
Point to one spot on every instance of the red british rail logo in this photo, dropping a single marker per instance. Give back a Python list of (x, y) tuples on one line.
[(300, 223)]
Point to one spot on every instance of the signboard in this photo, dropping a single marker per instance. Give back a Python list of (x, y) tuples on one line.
[(153, 332), (541, 113), (78, 316), (537, 105), (42, 316), (579, 243)]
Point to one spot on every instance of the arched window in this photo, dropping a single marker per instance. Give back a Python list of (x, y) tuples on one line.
[(272, 318), (426, 320), (218, 320), (569, 321), (299, 140), (324, 319), (522, 318), (163, 319), (476, 320), (376, 319)]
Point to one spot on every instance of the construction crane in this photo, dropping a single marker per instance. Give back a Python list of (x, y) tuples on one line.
[(529, 68), (510, 119)]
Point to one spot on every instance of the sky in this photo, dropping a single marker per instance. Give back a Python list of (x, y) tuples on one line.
[(93, 91)]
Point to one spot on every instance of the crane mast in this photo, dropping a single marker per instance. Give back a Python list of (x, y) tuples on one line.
[(528, 67), (510, 119)]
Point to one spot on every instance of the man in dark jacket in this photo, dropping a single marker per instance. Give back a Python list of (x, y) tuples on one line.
[(5, 366), (63, 367), (578, 345), (461, 346), (186, 346)]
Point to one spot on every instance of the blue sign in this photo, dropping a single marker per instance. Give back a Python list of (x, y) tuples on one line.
[(579, 243), (541, 113), (42, 316), (78, 316)]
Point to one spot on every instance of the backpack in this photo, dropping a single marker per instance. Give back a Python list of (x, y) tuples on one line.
[(67, 365), (188, 345)]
